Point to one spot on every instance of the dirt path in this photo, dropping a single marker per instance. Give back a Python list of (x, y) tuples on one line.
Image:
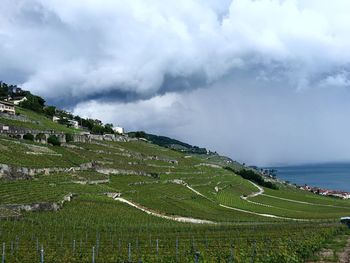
[(174, 218), (261, 191), (201, 221), (344, 256), (303, 202)]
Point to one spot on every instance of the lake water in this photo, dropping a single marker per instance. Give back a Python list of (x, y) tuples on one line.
[(335, 176)]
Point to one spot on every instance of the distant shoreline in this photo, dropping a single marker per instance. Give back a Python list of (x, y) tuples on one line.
[(332, 176)]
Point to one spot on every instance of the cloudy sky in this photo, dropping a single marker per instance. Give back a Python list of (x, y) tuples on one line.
[(265, 81)]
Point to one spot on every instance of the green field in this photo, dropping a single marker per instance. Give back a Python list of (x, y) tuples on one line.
[(163, 186), (35, 121)]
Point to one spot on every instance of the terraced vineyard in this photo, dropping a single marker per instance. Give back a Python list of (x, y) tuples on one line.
[(137, 202)]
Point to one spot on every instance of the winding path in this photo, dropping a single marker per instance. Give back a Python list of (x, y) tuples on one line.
[(174, 218), (303, 202), (261, 191), (254, 194), (201, 221)]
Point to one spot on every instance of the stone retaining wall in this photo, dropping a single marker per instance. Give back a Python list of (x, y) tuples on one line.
[(19, 132), (44, 206), (12, 172)]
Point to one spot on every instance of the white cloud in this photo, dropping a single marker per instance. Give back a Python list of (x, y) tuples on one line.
[(270, 68), (77, 49), (266, 125), (160, 111), (340, 79)]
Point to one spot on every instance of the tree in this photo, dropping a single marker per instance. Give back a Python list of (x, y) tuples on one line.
[(40, 137), (34, 103), (63, 121), (53, 139), (140, 134), (3, 90), (28, 136), (253, 176), (50, 111), (69, 137), (109, 128), (98, 129)]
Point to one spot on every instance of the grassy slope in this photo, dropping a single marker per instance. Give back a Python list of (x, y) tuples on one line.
[(159, 193), (92, 212), (36, 121)]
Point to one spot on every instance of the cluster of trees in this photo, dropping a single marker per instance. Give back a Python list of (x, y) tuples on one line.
[(95, 126), (253, 176), (34, 103), (168, 142), (38, 104), (52, 139), (7, 90)]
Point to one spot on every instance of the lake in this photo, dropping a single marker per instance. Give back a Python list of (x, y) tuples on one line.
[(335, 176)]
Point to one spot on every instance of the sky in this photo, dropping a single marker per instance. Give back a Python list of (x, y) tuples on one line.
[(266, 82)]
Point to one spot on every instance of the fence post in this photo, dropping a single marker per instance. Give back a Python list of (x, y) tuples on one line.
[(196, 257), (3, 252), (177, 249), (97, 245), (129, 253), (93, 254), (232, 253), (42, 254), (254, 251)]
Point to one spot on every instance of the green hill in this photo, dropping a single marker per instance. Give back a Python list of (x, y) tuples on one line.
[(148, 201)]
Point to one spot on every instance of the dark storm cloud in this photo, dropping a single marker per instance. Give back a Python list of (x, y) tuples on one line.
[(74, 50), (138, 62)]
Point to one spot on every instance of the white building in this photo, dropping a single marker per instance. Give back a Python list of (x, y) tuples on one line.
[(119, 130), (7, 107), (55, 119), (74, 124), (17, 101)]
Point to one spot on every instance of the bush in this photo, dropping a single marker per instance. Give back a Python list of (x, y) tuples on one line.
[(40, 137), (28, 136), (140, 134), (69, 137), (253, 176), (50, 111), (34, 103), (53, 139), (98, 129)]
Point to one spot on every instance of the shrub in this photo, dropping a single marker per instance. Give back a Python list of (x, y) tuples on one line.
[(140, 134), (155, 175), (28, 136), (34, 103), (50, 111), (40, 137), (97, 129), (253, 176), (69, 137), (53, 139)]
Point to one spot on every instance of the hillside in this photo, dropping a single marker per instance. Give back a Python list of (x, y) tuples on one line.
[(126, 199)]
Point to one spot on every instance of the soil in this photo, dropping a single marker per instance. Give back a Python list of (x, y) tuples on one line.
[(343, 256)]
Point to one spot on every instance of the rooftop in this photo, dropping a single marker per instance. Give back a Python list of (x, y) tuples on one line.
[(7, 103)]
